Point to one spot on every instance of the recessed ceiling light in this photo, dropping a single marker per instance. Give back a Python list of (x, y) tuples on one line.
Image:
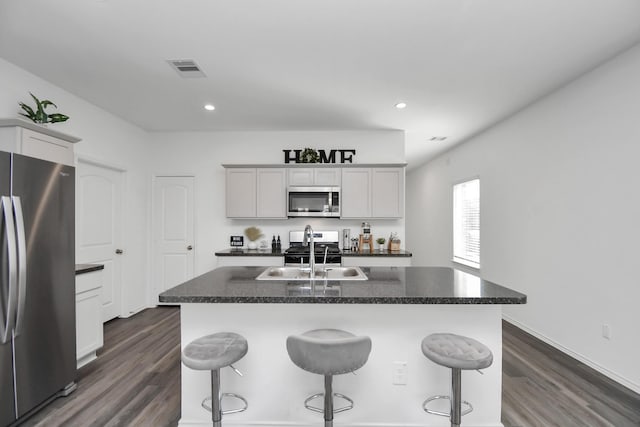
[(401, 105), (209, 107), (437, 138)]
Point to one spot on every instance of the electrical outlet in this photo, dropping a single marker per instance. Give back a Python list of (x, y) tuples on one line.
[(606, 331), (399, 373)]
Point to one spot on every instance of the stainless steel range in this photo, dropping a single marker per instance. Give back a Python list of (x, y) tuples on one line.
[(324, 240)]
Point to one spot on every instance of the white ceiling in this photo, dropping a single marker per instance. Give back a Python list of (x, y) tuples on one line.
[(460, 65)]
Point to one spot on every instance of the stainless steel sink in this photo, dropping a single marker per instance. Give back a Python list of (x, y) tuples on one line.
[(296, 273)]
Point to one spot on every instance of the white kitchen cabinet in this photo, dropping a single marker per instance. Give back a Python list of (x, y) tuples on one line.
[(89, 329), (301, 176), (29, 139), (373, 192), (256, 193), (241, 187), (356, 193), (387, 192), (319, 176), (376, 261), (271, 193), (327, 176)]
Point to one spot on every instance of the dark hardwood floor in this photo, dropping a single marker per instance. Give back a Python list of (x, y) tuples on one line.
[(136, 382), (542, 386)]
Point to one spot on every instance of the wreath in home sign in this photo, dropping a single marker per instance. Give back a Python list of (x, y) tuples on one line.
[(309, 155)]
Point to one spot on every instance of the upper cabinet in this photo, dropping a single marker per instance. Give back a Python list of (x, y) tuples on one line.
[(328, 177), (356, 193), (366, 191), (387, 192), (29, 139), (241, 190), (373, 192), (272, 193), (256, 193)]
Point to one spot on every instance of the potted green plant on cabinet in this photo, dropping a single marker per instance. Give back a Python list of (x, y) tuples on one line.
[(39, 115)]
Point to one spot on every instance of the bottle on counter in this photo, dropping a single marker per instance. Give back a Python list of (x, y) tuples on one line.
[(278, 245), (365, 230), (273, 244)]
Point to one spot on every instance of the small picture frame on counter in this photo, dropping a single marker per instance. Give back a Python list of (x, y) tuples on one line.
[(236, 242)]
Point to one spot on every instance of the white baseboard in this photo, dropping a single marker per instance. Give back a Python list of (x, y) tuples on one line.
[(604, 371), (133, 312)]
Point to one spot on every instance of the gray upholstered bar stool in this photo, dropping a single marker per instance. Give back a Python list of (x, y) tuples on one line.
[(456, 352), (328, 352), (210, 353)]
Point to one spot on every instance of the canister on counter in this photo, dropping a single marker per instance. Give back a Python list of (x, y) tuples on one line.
[(346, 239)]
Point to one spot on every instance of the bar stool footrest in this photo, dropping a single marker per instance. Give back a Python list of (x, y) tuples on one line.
[(206, 403), (444, 414), (321, 410)]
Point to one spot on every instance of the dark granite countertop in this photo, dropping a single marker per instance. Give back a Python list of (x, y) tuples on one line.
[(248, 252), (88, 268), (267, 252), (378, 253), (386, 285)]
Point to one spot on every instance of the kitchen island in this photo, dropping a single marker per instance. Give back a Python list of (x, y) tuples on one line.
[(396, 307)]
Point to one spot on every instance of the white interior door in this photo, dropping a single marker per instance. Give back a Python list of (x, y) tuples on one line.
[(99, 229), (173, 230)]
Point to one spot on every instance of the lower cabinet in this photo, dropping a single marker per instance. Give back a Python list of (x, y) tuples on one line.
[(89, 329), (376, 261)]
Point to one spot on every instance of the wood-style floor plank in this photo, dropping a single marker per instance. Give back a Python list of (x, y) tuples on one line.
[(544, 387), (136, 382)]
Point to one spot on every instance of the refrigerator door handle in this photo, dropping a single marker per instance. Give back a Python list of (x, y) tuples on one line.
[(8, 316), (22, 263)]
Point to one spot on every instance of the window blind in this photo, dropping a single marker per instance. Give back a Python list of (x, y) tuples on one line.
[(466, 223)]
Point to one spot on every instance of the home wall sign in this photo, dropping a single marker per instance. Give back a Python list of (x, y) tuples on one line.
[(309, 155)]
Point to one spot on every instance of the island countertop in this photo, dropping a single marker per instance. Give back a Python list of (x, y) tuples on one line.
[(386, 285)]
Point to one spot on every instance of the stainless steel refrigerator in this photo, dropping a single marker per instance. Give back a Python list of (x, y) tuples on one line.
[(37, 284)]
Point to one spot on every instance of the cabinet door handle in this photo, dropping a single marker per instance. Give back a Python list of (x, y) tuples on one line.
[(119, 251), (189, 247)]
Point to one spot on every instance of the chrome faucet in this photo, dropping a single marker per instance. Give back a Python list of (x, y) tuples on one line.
[(308, 240), (324, 261)]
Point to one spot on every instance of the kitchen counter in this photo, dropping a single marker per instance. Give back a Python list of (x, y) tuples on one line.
[(378, 253), (397, 307), (268, 252), (88, 268), (386, 285), (248, 252)]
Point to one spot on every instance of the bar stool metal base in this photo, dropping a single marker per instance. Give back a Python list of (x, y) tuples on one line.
[(455, 399), (206, 404), (321, 410), (215, 407), (445, 414), (328, 396)]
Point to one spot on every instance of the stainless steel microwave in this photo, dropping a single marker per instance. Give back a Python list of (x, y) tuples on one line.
[(313, 201)]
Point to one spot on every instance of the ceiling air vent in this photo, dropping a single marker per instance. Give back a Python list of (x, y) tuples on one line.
[(186, 68)]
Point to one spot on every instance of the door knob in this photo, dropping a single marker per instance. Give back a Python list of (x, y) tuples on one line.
[(189, 247), (119, 251)]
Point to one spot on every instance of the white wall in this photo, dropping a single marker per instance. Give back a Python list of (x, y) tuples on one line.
[(201, 154), (105, 138), (559, 214)]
